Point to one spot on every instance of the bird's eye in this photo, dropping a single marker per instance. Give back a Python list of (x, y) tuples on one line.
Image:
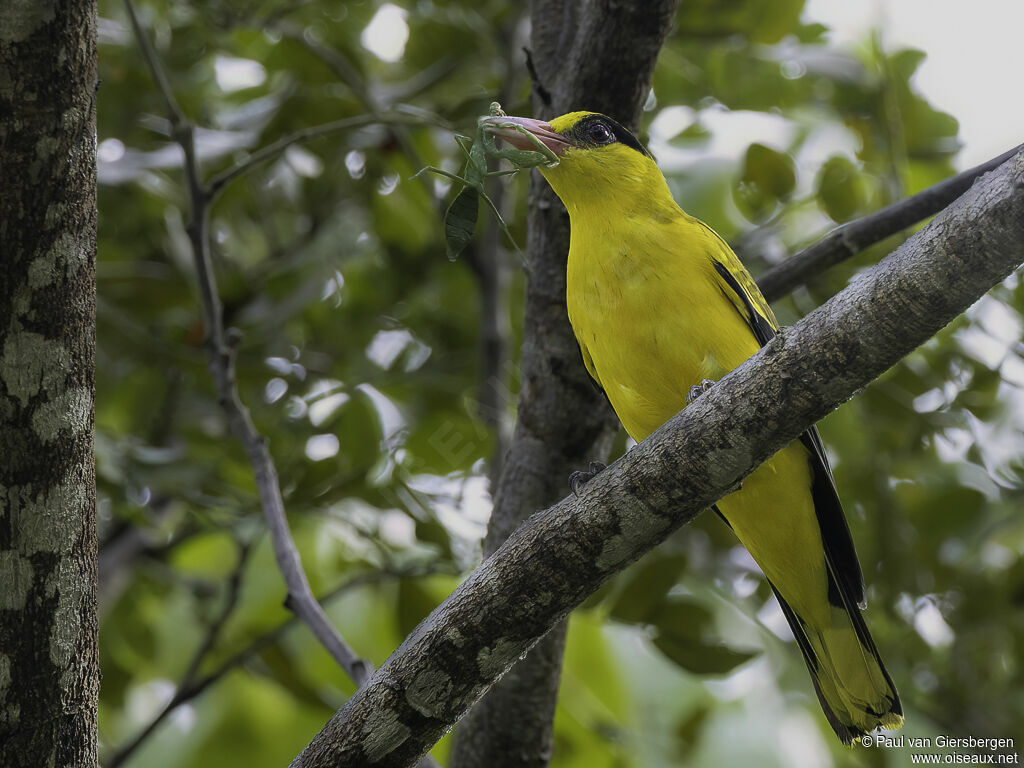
[(600, 134)]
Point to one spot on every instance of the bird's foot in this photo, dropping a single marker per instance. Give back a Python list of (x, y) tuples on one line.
[(579, 478), (699, 389)]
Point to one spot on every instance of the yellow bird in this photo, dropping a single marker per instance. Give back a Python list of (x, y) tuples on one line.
[(659, 302)]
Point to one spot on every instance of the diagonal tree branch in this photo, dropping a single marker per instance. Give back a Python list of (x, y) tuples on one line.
[(551, 564), (848, 240)]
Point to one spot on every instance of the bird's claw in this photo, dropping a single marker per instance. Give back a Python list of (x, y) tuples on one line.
[(699, 389), (579, 478)]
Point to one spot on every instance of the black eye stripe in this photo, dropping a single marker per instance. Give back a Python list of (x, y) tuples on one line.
[(581, 133)]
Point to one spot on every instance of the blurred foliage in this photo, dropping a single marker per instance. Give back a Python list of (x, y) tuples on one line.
[(360, 361)]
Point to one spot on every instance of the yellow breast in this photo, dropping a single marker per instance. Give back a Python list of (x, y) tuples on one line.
[(645, 303)]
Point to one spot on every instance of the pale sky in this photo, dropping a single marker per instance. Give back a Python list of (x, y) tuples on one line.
[(975, 59)]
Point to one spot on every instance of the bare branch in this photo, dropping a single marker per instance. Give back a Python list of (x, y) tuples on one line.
[(222, 369), (850, 239), (155, 68), (552, 563), (221, 349)]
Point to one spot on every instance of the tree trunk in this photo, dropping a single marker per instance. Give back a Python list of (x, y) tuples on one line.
[(49, 675), (586, 56)]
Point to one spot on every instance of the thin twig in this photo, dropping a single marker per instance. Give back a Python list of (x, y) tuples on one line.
[(230, 603), (222, 368), (850, 239), (269, 152), (270, 637), (350, 76), (155, 68), (338, 62), (213, 631)]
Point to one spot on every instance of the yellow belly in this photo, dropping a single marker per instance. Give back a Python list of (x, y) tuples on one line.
[(649, 330)]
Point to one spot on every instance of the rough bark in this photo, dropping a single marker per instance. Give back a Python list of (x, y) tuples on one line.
[(49, 677), (586, 55), (561, 555)]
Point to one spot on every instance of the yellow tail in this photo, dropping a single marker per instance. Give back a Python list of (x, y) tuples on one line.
[(856, 693)]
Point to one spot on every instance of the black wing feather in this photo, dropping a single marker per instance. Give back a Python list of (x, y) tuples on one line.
[(835, 531)]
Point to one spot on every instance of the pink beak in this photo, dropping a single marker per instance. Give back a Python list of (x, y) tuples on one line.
[(543, 131)]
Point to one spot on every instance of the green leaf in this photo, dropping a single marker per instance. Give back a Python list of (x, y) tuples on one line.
[(701, 658), (695, 133), (599, 596), (682, 618), (683, 624), (432, 532), (772, 171), (460, 221), (812, 33), (840, 189), (761, 22), (210, 554), (768, 177), (645, 591), (753, 203)]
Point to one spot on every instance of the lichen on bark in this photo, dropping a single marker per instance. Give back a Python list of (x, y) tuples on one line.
[(49, 676)]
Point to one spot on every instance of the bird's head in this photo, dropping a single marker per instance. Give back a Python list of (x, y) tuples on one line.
[(600, 162)]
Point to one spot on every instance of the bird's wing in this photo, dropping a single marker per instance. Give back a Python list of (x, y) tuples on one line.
[(742, 291), (588, 363)]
